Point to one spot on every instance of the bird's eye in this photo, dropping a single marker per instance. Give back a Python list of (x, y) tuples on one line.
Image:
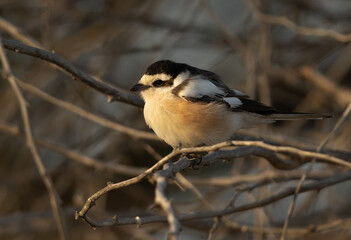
[(158, 83)]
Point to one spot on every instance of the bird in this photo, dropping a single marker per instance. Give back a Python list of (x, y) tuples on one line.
[(190, 107)]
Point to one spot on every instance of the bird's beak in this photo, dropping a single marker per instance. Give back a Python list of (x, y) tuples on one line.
[(139, 87)]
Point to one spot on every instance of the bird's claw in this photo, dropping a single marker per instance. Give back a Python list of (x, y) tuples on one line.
[(195, 158)]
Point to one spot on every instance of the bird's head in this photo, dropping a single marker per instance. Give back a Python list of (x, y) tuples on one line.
[(161, 78)]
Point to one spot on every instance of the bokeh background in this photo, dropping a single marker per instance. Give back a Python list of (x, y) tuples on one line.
[(115, 41)]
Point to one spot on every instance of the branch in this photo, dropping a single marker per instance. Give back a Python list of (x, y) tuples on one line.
[(90, 116), (262, 178), (112, 93), (183, 183), (304, 155), (315, 186), (54, 198), (307, 31), (325, 141), (112, 186), (18, 33), (161, 178), (341, 95), (109, 167), (183, 163), (295, 231), (280, 140)]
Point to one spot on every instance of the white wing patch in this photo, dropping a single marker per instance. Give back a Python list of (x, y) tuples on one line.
[(181, 78), (198, 88), (233, 101)]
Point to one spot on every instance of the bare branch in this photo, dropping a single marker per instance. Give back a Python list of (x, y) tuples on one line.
[(315, 186), (112, 186), (161, 178), (75, 156), (54, 198), (262, 178), (214, 155), (337, 126), (277, 149), (235, 190), (112, 93), (18, 33), (90, 116), (307, 31), (341, 95)]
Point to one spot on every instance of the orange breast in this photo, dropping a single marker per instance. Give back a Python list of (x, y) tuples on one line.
[(196, 115), (193, 124)]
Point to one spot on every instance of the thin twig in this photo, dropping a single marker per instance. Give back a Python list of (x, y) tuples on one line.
[(307, 31), (112, 93), (18, 33), (109, 167), (206, 160), (261, 217), (337, 126), (54, 198), (331, 226), (341, 95), (90, 116), (277, 149), (184, 183), (262, 178), (112, 186), (315, 186), (161, 178), (213, 228)]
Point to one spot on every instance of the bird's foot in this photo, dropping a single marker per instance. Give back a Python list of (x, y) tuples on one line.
[(196, 159)]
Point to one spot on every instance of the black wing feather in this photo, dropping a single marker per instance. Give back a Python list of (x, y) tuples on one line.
[(249, 105)]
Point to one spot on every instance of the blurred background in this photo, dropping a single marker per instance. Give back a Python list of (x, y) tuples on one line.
[(270, 59)]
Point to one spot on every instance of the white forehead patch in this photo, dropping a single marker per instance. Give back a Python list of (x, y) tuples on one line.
[(233, 101), (148, 79), (197, 88)]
